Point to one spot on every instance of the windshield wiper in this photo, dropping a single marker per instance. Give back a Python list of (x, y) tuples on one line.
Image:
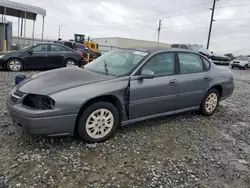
[(106, 67)]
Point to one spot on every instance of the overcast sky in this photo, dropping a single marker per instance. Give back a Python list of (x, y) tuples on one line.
[(183, 21)]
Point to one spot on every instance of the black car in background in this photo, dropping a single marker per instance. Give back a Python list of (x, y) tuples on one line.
[(75, 46), (80, 47), (43, 55)]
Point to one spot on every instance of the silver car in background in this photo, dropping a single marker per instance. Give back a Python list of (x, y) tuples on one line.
[(241, 63), (118, 88)]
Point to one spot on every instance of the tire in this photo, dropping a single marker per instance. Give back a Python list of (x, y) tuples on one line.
[(232, 67), (70, 63), (15, 65), (91, 130), (214, 101), (245, 67)]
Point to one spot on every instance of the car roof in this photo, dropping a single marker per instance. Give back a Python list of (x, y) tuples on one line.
[(159, 49), (59, 44)]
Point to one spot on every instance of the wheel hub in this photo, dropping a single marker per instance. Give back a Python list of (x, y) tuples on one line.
[(99, 123), (15, 65), (211, 102), (70, 64)]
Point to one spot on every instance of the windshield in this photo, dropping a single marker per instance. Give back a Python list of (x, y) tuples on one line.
[(242, 58), (201, 49), (27, 47), (116, 63)]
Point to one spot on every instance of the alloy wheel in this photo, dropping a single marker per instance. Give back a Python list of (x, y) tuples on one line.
[(99, 123), (15, 65), (211, 102), (70, 63)]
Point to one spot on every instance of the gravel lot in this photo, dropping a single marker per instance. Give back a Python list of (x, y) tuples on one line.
[(186, 150)]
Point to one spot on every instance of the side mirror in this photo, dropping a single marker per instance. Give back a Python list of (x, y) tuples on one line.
[(30, 52), (147, 74)]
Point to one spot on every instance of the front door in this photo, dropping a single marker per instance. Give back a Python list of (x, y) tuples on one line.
[(154, 95), (193, 78), (37, 57)]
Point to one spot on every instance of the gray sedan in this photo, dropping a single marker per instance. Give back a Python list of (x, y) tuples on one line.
[(118, 88)]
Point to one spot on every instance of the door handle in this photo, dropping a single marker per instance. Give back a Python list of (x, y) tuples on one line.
[(173, 82), (207, 78), (45, 56)]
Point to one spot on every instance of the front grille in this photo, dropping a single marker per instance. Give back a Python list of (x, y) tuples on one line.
[(39, 102)]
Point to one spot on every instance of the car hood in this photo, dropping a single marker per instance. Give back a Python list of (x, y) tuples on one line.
[(49, 82), (8, 52)]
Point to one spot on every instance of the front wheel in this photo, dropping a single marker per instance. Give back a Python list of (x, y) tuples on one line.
[(245, 67), (15, 65), (210, 102), (98, 122)]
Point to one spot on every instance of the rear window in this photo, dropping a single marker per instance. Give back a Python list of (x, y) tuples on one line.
[(175, 46), (184, 47), (69, 44)]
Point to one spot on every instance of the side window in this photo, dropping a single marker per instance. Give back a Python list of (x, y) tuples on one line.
[(184, 47), (92, 46), (57, 48), (206, 63), (69, 44), (162, 64), (40, 48), (175, 46), (190, 63)]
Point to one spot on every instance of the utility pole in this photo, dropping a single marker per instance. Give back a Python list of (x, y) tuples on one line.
[(159, 32), (59, 33), (211, 24)]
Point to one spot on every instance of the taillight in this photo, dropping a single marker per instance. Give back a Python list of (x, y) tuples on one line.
[(81, 54)]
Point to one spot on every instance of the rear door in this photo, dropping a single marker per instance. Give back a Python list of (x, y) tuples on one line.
[(193, 79), (38, 58), (56, 55), (156, 95)]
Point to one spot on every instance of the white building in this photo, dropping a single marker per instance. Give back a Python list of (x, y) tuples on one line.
[(110, 43)]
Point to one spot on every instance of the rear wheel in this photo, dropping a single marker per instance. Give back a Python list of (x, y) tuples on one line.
[(15, 65), (98, 122), (210, 102), (70, 63)]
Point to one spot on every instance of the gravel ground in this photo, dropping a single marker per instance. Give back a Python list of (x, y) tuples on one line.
[(186, 150)]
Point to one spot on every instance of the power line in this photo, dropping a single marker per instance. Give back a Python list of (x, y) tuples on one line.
[(90, 26), (175, 26), (154, 20), (233, 19), (161, 13), (233, 6)]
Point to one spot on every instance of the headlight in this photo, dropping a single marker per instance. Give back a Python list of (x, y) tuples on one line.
[(1, 56), (40, 102)]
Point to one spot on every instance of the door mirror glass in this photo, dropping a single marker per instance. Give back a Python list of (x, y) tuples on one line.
[(147, 74)]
